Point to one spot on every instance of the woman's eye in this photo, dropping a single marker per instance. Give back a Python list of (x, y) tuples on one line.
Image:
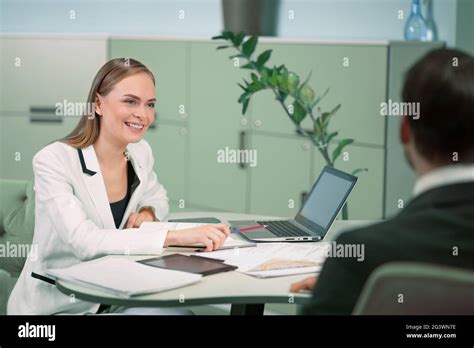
[(151, 105), (130, 101)]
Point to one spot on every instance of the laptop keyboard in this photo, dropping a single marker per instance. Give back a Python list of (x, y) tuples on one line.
[(283, 228)]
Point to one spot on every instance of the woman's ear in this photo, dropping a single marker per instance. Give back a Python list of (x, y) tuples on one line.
[(98, 104)]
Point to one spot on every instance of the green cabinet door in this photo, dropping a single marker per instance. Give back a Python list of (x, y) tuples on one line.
[(356, 76), (40, 72), (366, 200), (169, 143), (281, 176), (21, 139), (168, 62), (215, 125)]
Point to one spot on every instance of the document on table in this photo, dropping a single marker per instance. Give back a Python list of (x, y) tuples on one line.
[(275, 259), (124, 277), (230, 243)]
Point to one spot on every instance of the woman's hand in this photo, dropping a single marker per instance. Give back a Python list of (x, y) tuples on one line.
[(211, 236), (305, 284), (136, 219)]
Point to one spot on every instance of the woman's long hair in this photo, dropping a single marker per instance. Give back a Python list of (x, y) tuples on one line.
[(87, 130)]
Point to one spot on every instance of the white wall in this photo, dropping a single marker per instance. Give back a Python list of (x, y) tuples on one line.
[(322, 19), (359, 19)]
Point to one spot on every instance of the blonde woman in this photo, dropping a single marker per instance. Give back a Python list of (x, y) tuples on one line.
[(95, 187)]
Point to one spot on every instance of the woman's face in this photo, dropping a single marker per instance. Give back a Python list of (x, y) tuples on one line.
[(128, 110)]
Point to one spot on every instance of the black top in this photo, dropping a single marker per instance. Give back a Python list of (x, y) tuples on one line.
[(118, 208), (425, 231)]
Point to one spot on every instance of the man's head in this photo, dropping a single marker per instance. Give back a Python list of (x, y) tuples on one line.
[(442, 82)]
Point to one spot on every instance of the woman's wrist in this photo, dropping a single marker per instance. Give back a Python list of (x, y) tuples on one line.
[(149, 211), (170, 239)]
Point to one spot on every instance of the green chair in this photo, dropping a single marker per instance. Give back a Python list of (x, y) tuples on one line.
[(406, 288), (17, 215)]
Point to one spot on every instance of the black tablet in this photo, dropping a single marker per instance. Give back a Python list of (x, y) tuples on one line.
[(192, 264)]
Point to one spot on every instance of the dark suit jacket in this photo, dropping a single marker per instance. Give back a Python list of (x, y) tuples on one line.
[(427, 230)]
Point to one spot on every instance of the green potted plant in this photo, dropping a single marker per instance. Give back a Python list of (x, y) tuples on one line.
[(297, 99)]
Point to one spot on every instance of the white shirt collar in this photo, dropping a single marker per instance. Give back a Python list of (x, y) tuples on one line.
[(451, 174)]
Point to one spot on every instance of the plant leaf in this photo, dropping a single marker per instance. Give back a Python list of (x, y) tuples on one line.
[(282, 95), (282, 80), (304, 83), (319, 99), (244, 96), (255, 86), (358, 170), (293, 81), (272, 79), (343, 143), (263, 58), (281, 67), (326, 116), (299, 112), (245, 105), (318, 129), (238, 39), (245, 89), (247, 66), (222, 47), (249, 45), (331, 136), (228, 35), (254, 77)]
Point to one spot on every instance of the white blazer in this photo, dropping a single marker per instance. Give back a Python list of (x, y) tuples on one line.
[(74, 222)]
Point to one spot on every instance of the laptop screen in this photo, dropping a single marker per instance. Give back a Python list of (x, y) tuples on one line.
[(327, 197)]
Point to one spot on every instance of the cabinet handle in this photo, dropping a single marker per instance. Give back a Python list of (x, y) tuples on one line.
[(44, 114), (242, 146)]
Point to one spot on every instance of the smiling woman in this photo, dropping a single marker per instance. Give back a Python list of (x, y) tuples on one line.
[(115, 72), (95, 187)]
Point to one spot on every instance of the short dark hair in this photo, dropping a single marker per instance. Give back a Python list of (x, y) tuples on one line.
[(443, 83)]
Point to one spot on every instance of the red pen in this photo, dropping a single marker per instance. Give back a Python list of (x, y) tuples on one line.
[(252, 228)]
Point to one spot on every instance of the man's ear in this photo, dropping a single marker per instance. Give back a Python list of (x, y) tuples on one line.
[(97, 101), (405, 131)]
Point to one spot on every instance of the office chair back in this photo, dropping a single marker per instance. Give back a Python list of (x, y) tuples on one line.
[(406, 288)]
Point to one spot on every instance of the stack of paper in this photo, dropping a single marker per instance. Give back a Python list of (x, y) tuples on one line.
[(275, 259), (124, 277)]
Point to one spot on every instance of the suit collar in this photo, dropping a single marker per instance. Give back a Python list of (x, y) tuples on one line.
[(443, 196), (94, 181), (84, 167), (449, 174), (90, 164)]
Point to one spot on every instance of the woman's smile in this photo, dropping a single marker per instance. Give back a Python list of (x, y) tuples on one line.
[(135, 128)]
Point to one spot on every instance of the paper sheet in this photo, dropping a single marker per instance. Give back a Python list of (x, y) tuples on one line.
[(124, 277), (255, 261)]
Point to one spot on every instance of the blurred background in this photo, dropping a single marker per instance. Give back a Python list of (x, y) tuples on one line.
[(51, 50)]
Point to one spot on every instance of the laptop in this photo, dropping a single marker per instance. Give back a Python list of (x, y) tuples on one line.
[(315, 218)]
